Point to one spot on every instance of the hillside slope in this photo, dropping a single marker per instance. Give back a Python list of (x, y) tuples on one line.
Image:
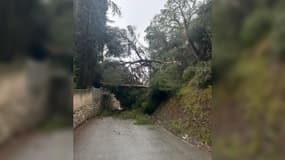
[(186, 114)]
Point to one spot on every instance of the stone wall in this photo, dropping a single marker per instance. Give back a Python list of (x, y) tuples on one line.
[(88, 103)]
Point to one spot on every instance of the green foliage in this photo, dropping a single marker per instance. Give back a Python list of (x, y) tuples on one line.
[(180, 93), (167, 79), (173, 27), (163, 83), (116, 42), (279, 36), (61, 28), (250, 116), (256, 26), (227, 45), (262, 110), (188, 73), (89, 40), (196, 104), (128, 97), (115, 73), (143, 119), (203, 75), (201, 31), (92, 34), (137, 115), (178, 125), (187, 112), (200, 74)]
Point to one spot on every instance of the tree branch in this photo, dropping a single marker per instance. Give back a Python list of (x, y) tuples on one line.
[(147, 62)]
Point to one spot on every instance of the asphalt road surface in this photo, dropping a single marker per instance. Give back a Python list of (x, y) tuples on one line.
[(114, 139)]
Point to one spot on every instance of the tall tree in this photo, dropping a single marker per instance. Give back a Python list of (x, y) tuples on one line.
[(90, 38), (180, 37), (90, 29), (178, 15)]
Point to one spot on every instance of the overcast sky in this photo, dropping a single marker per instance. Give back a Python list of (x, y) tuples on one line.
[(138, 13)]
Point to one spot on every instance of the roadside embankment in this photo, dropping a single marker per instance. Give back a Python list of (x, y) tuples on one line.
[(186, 115)]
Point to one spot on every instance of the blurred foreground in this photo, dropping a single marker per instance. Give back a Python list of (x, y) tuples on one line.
[(36, 79), (55, 145), (249, 80), (32, 103)]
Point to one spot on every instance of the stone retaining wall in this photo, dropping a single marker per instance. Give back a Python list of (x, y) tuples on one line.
[(87, 103)]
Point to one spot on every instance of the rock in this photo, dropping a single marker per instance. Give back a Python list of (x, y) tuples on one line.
[(110, 102), (115, 103)]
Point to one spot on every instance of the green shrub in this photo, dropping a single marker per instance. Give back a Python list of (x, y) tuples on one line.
[(137, 115), (143, 119), (167, 79), (164, 83), (188, 73), (203, 75), (279, 36), (131, 114), (255, 26)]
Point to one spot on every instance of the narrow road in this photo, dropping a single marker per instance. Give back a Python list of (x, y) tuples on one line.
[(114, 139)]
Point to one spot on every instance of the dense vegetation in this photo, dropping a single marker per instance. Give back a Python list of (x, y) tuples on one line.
[(249, 84), (180, 87)]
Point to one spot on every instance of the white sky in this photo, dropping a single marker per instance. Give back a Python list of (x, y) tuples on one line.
[(138, 13)]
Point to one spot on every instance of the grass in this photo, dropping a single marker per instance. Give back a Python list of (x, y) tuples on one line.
[(139, 117)]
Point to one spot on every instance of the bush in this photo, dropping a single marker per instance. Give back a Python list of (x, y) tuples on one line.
[(163, 83), (203, 75), (256, 26), (279, 37), (137, 115), (167, 79), (188, 73)]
